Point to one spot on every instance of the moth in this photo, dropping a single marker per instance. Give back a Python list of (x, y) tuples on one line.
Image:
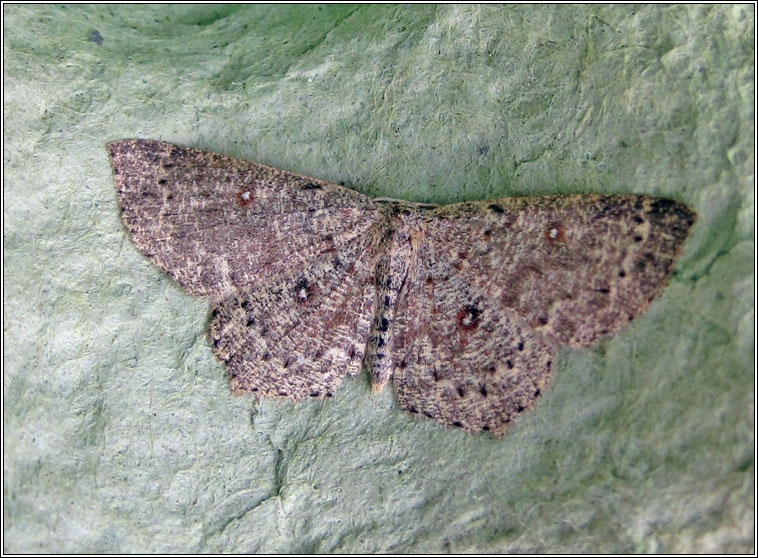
[(463, 306)]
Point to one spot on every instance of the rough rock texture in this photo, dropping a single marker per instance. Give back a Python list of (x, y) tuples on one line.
[(120, 433)]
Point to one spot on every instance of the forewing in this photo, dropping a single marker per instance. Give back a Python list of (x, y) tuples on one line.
[(570, 269), (218, 225), (495, 286)]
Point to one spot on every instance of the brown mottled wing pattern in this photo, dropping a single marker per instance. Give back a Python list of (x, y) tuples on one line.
[(298, 335), (494, 286), (218, 224), (286, 260), (464, 305)]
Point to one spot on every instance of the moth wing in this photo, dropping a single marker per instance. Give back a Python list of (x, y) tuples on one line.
[(496, 285), (571, 269), (299, 334), (218, 225), (461, 361)]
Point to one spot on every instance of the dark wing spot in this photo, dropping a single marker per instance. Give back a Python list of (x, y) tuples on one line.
[(302, 289), (555, 233), (468, 317), (495, 208), (664, 206), (244, 197), (311, 186)]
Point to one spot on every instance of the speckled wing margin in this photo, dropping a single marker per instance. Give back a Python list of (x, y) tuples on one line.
[(496, 285)]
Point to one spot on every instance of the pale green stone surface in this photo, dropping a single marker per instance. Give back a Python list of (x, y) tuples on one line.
[(120, 433)]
